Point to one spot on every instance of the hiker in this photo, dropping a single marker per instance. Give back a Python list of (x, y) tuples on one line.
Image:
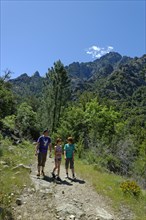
[(58, 157), (43, 143), (69, 149)]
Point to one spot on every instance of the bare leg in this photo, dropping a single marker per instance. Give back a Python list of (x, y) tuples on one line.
[(39, 168), (58, 171), (66, 167), (55, 167), (43, 171), (44, 155), (73, 174)]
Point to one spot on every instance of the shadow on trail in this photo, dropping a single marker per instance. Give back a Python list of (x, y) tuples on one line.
[(63, 182), (76, 180), (48, 179), (51, 179)]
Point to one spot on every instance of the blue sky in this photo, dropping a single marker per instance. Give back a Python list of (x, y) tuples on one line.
[(35, 34)]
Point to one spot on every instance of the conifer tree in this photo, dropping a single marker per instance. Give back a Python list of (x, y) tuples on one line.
[(57, 92)]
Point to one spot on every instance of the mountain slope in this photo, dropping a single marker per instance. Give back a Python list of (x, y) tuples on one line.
[(125, 79), (112, 75), (25, 86)]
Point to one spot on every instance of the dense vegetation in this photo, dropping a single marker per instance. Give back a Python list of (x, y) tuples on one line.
[(102, 104)]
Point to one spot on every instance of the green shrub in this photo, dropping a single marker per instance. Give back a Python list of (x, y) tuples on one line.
[(1, 137), (130, 187), (1, 152), (9, 122), (113, 164), (91, 157)]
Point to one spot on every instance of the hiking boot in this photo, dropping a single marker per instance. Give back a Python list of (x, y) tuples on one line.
[(73, 177), (38, 174), (58, 178), (53, 175)]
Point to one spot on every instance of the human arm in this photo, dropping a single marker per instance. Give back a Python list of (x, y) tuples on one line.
[(65, 152), (55, 151), (65, 155), (37, 148), (73, 152), (50, 150), (73, 156)]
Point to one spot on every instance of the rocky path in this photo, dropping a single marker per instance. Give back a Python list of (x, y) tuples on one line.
[(49, 199)]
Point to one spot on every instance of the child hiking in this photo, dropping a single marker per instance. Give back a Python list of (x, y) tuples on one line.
[(69, 149), (43, 143), (58, 157)]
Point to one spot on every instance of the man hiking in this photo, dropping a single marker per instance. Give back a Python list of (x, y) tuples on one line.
[(43, 144)]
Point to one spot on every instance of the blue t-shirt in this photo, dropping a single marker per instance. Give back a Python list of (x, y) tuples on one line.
[(44, 143)]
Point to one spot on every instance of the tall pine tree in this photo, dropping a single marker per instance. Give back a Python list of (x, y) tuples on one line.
[(57, 93)]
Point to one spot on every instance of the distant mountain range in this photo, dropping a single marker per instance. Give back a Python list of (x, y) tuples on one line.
[(112, 76)]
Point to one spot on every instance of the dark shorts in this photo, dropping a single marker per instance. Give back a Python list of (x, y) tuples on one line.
[(69, 161), (57, 159), (42, 159)]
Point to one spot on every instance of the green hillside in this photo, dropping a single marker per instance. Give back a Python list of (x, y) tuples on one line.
[(102, 104)]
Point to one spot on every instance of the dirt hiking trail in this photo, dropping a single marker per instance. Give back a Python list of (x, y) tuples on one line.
[(49, 199)]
